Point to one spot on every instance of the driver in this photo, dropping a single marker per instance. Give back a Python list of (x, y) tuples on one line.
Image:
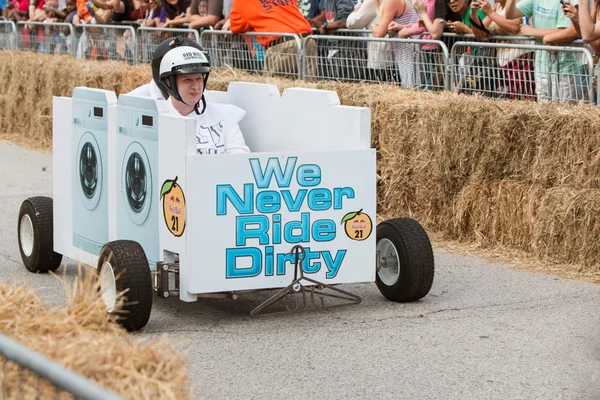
[(155, 89), (217, 125), (184, 72)]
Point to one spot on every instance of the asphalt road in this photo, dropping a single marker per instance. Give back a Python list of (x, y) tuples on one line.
[(484, 331)]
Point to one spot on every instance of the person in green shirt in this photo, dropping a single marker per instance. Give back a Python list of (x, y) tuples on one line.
[(554, 75), (459, 17)]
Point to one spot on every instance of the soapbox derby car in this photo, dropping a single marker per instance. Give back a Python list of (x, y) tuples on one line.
[(132, 198)]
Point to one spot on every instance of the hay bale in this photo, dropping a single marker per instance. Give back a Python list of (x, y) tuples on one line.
[(441, 156), (567, 228), (81, 338)]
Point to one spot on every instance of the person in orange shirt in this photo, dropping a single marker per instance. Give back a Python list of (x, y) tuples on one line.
[(281, 16)]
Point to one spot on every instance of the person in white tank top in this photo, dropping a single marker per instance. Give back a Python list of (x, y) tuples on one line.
[(399, 14)]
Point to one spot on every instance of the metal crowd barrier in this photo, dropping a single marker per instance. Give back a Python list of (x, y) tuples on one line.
[(43, 37), (150, 38), (459, 62), (412, 63), (105, 42), (25, 374), (515, 71), (247, 52), (7, 35)]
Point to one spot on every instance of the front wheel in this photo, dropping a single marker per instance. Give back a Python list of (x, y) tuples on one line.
[(123, 269), (36, 236), (405, 265)]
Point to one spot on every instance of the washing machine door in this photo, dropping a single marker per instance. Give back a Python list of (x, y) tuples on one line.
[(89, 171), (136, 183)]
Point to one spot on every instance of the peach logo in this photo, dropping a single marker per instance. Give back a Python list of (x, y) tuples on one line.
[(173, 206), (358, 225)]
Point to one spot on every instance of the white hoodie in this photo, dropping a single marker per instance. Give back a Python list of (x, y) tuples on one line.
[(218, 131), (217, 127)]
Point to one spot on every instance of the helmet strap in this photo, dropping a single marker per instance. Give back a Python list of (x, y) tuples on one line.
[(203, 100)]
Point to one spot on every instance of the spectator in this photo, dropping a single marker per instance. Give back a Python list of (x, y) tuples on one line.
[(379, 54), (17, 10), (516, 80), (71, 11), (2, 6), (313, 11), (432, 14), (397, 15), (460, 18), (178, 13), (53, 12), (562, 37), (587, 22), (157, 17), (145, 6), (37, 11), (83, 13), (337, 56), (548, 18), (281, 52), (225, 20), (223, 24), (205, 13)]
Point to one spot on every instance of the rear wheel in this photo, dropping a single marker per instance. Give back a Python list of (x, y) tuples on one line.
[(405, 265), (123, 268), (36, 236)]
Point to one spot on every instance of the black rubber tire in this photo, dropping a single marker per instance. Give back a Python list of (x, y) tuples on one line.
[(132, 271), (416, 260), (43, 258)]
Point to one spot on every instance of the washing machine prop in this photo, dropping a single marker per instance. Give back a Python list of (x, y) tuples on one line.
[(296, 215), (137, 172), (90, 167)]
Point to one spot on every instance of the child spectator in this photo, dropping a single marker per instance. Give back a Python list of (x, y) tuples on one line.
[(516, 80), (83, 15), (71, 11), (53, 12)]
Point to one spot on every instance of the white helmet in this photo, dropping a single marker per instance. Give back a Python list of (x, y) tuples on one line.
[(184, 60)]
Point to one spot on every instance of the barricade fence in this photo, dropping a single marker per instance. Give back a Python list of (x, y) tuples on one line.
[(105, 42), (411, 63), (525, 72), (149, 38), (45, 38), (279, 54), (500, 66), (25, 374), (7, 35)]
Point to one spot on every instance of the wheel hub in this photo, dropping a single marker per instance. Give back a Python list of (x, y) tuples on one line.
[(108, 286), (388, 262), (26, 235)]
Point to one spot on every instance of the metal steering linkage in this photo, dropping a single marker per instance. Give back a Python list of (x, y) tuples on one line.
[(297, 293)]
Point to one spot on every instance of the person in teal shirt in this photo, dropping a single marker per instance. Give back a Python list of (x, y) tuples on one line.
[(554, 75)]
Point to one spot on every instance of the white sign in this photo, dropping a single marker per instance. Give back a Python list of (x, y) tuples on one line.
[(245, 212)]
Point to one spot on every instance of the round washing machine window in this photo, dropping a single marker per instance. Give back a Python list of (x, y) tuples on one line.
[(89, 170), (136, 178)]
